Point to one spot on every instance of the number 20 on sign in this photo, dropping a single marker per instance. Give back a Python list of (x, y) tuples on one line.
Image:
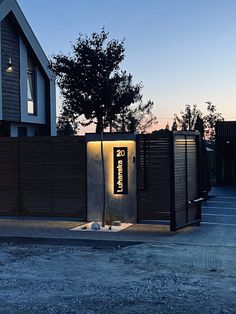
[(120, 157)]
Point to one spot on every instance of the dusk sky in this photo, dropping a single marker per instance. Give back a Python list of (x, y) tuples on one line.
[(183, 51)]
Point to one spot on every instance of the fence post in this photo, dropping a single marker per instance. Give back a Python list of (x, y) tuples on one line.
[(19, 179), (172, 183)]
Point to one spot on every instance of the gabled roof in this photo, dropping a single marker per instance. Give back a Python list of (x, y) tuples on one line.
[(11, 6)]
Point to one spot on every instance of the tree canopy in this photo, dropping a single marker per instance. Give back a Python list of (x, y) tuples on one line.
[(210, 120), (93, 86), (137, 119), (188, 118), (65, 127), (193, 119)]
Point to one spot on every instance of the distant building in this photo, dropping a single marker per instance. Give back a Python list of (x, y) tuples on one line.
[(226, 153), (27, 85)]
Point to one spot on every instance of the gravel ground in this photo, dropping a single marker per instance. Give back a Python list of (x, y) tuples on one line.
[(146, 278)]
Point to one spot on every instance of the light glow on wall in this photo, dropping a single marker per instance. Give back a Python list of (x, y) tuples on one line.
[(94, 149)]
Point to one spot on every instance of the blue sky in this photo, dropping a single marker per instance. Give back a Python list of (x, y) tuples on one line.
[(184, 51)]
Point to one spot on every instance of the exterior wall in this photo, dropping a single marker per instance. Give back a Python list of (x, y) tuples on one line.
[(53, 128), (13, 86), (39, 118), (10, 81), (12, 25), (23, 79)]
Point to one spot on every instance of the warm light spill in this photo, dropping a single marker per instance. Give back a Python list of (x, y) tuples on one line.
[(94, 148)]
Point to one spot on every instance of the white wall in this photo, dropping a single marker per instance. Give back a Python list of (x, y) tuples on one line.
[(23, 79), (40, 82), (53, 106)]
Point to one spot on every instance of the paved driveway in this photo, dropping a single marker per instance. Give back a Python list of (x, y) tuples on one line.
[(221, 207)]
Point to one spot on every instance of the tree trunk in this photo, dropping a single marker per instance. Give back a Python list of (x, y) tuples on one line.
[(99, 127), (123, 122)]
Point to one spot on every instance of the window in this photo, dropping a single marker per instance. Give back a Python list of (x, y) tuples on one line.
[(31, 84)]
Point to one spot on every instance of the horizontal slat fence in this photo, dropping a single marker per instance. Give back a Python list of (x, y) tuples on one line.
[(168, 178), (153, 177), (186, 179), (9, 176), (46, 177)]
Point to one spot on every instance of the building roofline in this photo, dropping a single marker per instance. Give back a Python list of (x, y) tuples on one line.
[(11, 6)]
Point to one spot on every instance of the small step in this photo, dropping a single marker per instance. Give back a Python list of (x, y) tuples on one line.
[(219, 204), (219, 218), (218, 211)]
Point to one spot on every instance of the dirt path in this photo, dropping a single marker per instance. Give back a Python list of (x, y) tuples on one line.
[(138, 279)]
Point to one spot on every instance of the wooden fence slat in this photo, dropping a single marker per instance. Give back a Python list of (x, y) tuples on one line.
[(43, 176)]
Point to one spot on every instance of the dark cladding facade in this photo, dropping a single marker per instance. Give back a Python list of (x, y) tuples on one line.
[(226, 153)]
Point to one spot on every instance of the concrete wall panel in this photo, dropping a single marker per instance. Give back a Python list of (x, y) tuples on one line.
[(119, 206)]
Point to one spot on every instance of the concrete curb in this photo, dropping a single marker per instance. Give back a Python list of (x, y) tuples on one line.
[(14, 240)]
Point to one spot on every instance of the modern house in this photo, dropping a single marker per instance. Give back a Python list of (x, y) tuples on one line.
[(27, 85)]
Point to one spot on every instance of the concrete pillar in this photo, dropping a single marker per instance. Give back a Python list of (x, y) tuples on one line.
[(120, 177)]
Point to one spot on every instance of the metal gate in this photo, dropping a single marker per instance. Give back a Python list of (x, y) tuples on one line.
[(168, 178), (153, 177), (187, 207)]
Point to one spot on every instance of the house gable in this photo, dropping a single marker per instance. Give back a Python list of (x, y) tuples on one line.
[(18, 42), (8, 6)]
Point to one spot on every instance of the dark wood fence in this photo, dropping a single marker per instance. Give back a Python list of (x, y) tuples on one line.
[(43, 176), (168, 178), (153, 177), (186, 210), (46, 176)]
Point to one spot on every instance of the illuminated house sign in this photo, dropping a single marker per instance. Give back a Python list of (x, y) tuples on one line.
[(120, 157)]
